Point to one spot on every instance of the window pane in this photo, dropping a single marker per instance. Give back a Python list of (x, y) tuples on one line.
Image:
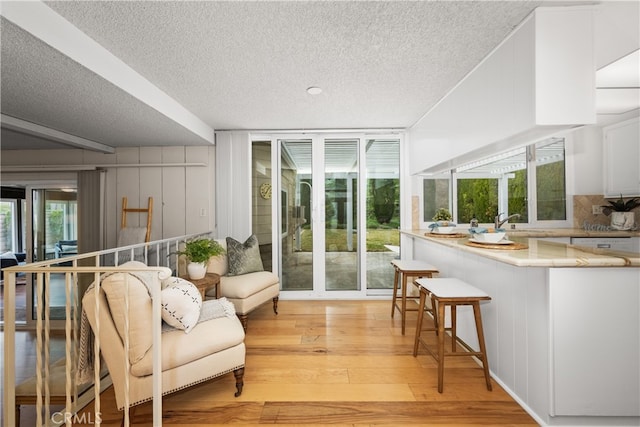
[(517, 197), (296, 245), (477, 197), (550, 181), (435, 196), (341, 213), (262, 198), (382, 210), (7, 226)]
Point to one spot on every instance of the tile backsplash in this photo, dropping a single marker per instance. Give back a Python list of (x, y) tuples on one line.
[(582, 210)]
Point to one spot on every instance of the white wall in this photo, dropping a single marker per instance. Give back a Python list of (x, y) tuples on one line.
[(184, 196), (233, 188)]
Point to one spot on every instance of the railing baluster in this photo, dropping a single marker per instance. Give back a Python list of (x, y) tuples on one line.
[(96, 349), (126, 351), (47, 346), (67, 348), (41, 272), (76, 329), (39, 313), (157, 352), (9, 381)]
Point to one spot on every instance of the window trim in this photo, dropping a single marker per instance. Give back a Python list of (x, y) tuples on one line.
[(453, 177)]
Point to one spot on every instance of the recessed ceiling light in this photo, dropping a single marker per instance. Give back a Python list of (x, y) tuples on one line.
[(313, 90)]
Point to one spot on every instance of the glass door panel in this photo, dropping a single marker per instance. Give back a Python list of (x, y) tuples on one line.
[(295, 220), (54, 235), (341, 215), (262, 200), (383, 211)]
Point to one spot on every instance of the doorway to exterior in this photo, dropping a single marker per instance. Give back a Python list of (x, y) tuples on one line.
[(331, 197), (53, 234), (44, 227)]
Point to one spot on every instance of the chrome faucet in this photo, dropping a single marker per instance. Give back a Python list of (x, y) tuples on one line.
[(498, 222)]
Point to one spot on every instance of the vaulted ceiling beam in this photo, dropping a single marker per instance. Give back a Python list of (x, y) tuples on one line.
[(34, 129)]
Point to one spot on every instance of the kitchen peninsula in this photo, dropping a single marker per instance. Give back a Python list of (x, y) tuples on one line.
[(562, 329)]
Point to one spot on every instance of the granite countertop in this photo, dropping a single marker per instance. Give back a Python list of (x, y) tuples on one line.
[(541, 253)]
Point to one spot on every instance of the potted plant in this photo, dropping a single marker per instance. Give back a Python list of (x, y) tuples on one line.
[(443, 216), (622, 217), (198, 251)]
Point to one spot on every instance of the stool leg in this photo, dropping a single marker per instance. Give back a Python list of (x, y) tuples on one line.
[(453, 327), (423, 299), (434, 313), (483, 350), (440, 346), (404, 301), (395, 291)]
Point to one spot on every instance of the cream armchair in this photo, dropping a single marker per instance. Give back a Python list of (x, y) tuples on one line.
[(246, 291), (212, 348)]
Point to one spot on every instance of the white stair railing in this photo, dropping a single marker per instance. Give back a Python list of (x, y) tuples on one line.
[(158, 258)]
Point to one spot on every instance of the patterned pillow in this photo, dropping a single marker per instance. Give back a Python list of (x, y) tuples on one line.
[(181, 304), (243, 258)]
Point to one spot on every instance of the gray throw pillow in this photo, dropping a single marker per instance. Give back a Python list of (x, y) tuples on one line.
[(244, 257)]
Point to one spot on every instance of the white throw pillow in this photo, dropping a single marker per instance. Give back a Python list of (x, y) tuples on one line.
[(169, 281), (181, 304)]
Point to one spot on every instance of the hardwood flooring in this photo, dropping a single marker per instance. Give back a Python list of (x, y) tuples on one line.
[(21, 300), (339, 363)]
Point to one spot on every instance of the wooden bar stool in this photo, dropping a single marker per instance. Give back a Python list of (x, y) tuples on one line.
[(406, 269), (451, 292)]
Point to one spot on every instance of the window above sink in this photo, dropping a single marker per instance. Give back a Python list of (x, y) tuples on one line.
[(529, 181)]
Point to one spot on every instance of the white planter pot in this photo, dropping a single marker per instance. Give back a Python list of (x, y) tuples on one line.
[(622, 220), (196, 270)]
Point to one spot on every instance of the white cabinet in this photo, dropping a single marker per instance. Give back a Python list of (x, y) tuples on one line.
[(621, 144), (537, 81), (595, 357), (627, 244)]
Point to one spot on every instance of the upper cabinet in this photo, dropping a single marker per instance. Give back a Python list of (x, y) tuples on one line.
[(539, 80), (621, 143)]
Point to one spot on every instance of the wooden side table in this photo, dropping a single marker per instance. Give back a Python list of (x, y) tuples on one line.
[(208, 281)]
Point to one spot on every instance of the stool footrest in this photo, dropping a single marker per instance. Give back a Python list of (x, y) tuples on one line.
[(469, 351)]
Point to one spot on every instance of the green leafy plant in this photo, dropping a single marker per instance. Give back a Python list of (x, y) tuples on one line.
[(442, 214), (620, 205), (201, 249)]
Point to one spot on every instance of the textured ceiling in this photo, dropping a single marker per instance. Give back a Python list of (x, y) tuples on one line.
[(246, 65)]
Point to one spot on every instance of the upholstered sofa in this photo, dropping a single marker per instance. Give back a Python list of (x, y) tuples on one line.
[(11, 259), (209, 349), (246, 291), (64, 248)]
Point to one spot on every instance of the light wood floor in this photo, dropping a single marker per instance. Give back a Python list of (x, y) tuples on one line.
[(340, 363)]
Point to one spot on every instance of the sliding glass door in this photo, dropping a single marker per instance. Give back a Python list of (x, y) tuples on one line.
[(54, 225), (341, 215), (297, 219), (382, 157), (327, 215)]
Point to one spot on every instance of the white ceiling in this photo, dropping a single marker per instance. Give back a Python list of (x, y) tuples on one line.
[(246, 65)]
